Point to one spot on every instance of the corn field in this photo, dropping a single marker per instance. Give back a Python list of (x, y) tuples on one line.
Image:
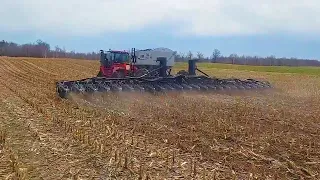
[(248, 135)]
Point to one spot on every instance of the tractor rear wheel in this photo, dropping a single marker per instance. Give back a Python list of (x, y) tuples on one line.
[(118, 74), (100, 74)]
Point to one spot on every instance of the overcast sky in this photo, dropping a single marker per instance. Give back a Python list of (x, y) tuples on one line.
[(253, 27)]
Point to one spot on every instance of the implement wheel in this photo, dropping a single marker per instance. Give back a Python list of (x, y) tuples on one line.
[(183, 72)]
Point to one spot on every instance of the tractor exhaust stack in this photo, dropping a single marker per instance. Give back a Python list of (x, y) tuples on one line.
[(163, 67), (192, 67)]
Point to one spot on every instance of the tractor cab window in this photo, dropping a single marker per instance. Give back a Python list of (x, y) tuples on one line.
[(109, 56), (120, 57), (115, 57)]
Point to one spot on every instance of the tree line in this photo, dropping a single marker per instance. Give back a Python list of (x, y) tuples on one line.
[(41, 49), (216, 57)]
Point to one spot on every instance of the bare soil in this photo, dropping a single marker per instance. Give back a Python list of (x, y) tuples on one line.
[(271, 134)]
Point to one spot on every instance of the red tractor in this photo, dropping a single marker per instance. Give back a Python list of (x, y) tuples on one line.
[(116, 64)]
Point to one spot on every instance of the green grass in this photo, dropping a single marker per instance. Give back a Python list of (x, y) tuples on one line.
[(308, 70)]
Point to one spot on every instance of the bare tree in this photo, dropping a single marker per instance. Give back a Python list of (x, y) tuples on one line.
[(189, 55), (215, 55), (43, 47), (233, 57), (182, 56), (200, 55)]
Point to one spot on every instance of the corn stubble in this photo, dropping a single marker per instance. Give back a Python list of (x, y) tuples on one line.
[(269, 135)]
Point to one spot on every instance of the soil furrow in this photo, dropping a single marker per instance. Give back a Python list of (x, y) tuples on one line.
[(231, 136)]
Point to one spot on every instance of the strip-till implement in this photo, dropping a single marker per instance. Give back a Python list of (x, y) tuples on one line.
[(161, 81)]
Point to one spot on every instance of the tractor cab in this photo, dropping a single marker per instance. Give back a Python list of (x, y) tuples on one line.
[(110, 57), (114, 63)]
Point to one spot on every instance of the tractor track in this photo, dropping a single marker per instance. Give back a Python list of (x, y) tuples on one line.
[(32, 89), (20, 85), (27, 77), (66, 67), (80, 66), (39, 68), (49, 68), (30, 72), (47, 91), (23, 76)]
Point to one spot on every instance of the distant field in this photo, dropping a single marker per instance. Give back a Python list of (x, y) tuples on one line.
[(280, 69), (255, 135)]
